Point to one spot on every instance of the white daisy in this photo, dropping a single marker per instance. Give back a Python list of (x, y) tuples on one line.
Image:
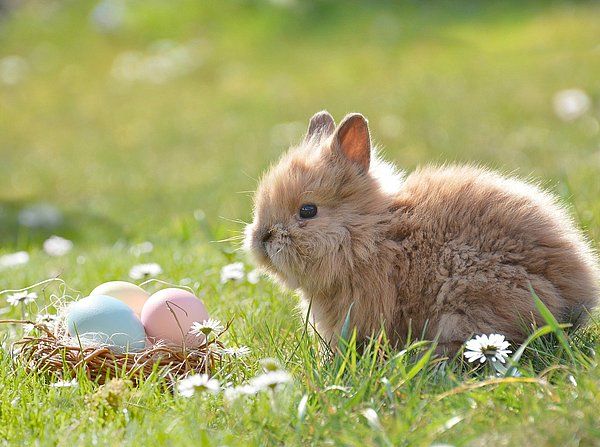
[(491, 347), (21, 298), (233, 393), (232, 272), (571, 103), (270, 364), (57, 246), (65, 384), (239, 351), (198, 382), (142, 271), (270, 380), (253, 276), (14, 259), (141, 248), (206, 328)]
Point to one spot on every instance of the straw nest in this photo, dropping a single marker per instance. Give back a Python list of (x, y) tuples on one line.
[(42, 350)]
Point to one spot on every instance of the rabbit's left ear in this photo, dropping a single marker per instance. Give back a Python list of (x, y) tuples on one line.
[(320, 127), (352, 140)]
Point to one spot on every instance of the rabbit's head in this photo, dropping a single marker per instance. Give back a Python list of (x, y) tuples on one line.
[(318, 211)]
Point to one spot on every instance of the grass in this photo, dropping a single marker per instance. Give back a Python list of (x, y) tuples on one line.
[(132, 161)]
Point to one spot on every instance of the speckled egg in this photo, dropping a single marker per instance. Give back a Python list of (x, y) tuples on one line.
[(132, 295), (168, 316), (105, 320)]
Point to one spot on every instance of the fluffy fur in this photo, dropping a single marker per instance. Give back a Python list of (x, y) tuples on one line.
[(446, 252)]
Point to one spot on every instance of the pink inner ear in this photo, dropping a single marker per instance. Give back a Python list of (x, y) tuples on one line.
[(354, 141)]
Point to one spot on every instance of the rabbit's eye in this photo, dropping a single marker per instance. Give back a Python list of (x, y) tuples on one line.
[(308, 211)]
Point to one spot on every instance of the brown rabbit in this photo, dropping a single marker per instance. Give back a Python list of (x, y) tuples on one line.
[(448, 251)]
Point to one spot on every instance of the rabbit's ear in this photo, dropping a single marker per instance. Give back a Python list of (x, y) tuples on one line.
[(352, 140), (320, 127)]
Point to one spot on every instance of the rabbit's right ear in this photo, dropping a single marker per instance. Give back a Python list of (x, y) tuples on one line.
[(320, 127), (353, 141)]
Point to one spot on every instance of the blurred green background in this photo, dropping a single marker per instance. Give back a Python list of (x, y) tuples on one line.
[(152, 120)]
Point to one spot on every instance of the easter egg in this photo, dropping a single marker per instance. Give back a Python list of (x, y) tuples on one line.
[(132, 295), (108, 321), (168, 316)]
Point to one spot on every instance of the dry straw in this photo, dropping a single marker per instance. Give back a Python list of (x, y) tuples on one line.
[(42, 351)]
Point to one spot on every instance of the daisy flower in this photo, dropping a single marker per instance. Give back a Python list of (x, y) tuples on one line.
[(571, 103), (239, 351), (491, 347), (65, 384), (234, 393), (21, 298), (206, 328), (57, 246), (142, 271), (253, 276), (270, 364), (141, 248), (14, 259), (198, 382), (270, 380), (232, 272)]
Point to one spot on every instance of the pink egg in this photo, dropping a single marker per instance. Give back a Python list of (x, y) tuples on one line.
[(168, 315)]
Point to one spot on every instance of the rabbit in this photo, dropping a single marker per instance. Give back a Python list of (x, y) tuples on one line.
[(445, 252)]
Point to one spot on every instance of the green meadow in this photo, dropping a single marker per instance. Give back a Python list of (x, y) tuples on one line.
[(138, 130)]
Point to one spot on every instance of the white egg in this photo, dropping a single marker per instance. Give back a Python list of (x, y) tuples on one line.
[(132, 295)]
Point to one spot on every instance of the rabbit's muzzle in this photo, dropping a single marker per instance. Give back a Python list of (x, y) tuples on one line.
[(268, 242)]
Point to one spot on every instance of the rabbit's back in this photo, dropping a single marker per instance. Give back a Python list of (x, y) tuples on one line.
[(473, 242)]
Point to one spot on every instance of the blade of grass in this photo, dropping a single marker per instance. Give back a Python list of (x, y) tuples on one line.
[(346, 325), (553, 323), (341, 357)]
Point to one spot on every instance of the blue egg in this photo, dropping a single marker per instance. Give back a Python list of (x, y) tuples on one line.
[(108, 321)]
